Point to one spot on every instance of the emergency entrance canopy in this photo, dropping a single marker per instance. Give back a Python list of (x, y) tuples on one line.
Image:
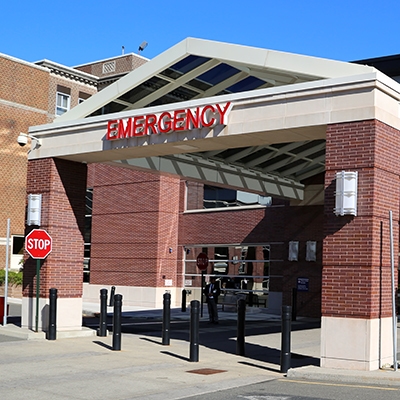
[(270, 140)]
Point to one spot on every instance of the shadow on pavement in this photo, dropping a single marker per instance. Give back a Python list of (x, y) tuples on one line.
[(220, 337)]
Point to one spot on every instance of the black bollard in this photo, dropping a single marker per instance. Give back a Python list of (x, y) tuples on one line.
[(166, 318), (116, 345), (52, 332), (102, 331), (251, 299), (285, 345), (241, 318), (112, 294), (194, 330), (294, 304), (183, 304)]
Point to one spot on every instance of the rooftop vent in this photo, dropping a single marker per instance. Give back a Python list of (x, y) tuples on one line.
[(109, 67)]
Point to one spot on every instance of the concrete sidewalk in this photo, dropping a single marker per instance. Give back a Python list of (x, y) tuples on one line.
[(85, 367)]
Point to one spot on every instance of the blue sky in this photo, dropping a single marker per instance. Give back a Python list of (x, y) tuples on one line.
[(75, 32)]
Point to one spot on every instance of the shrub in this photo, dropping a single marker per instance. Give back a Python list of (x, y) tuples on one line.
[(14, 278)]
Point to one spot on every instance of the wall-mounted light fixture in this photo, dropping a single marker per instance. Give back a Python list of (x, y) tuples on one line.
[(34, 209), (346, 193), (311, 251), (22, 140), (293, 251)]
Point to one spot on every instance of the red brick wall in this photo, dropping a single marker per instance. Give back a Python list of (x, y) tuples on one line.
[(23, 83), (62, 185), (134, 224), (352, 256), (23, 105)]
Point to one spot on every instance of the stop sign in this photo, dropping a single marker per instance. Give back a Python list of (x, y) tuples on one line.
[(202, 261), (38, 243)]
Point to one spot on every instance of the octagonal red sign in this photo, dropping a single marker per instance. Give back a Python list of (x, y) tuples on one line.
[(202, 261), (38, 243)]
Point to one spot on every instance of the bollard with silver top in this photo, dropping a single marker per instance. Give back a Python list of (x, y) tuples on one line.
[(102, 331), (52, 333), (285, 338), (194, 330), (241, 318), (166, 318), (116, 344)]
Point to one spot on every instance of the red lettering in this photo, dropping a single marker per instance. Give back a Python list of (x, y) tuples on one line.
[(164, 123), (125, 131), (138, 128), (223, 120), (112, 129), (192, 119), (150, 124), (207, 110), (179, 120)]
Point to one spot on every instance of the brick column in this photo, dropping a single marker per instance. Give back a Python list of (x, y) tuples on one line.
[(62, 185), (356, 281)]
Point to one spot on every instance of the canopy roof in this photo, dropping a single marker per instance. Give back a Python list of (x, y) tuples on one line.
[(196, 68)]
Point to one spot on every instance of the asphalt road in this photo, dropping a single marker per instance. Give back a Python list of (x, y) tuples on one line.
[(286, 389)]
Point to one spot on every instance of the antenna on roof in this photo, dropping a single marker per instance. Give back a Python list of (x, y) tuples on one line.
[(123, 50), (142, 47)]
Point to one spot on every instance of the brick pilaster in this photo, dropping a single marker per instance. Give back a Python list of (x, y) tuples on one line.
[(356, 273), (62, 185)]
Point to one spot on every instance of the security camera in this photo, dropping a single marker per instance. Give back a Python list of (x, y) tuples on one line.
[(22, 139)]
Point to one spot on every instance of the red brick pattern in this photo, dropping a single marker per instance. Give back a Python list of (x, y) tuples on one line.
[(356, 274), (134, 226), (23, 84), (21, 89), (63, 186)]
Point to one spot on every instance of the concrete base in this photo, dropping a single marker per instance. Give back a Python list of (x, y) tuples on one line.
[(69, 314), (147, 297), (356, 344), (27, 334)]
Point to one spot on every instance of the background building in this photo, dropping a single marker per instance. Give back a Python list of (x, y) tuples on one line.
[(34, 94)]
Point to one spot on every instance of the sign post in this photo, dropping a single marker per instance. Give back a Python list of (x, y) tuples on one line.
[(202, 264), (38, 244)]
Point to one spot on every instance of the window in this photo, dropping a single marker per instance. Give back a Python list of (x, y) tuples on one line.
[(216, 197), (82, 97), (63, 103), (63, 99), (238, 267), (18, 244)]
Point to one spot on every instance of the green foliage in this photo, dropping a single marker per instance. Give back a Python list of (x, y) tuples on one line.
[(14, 278)]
